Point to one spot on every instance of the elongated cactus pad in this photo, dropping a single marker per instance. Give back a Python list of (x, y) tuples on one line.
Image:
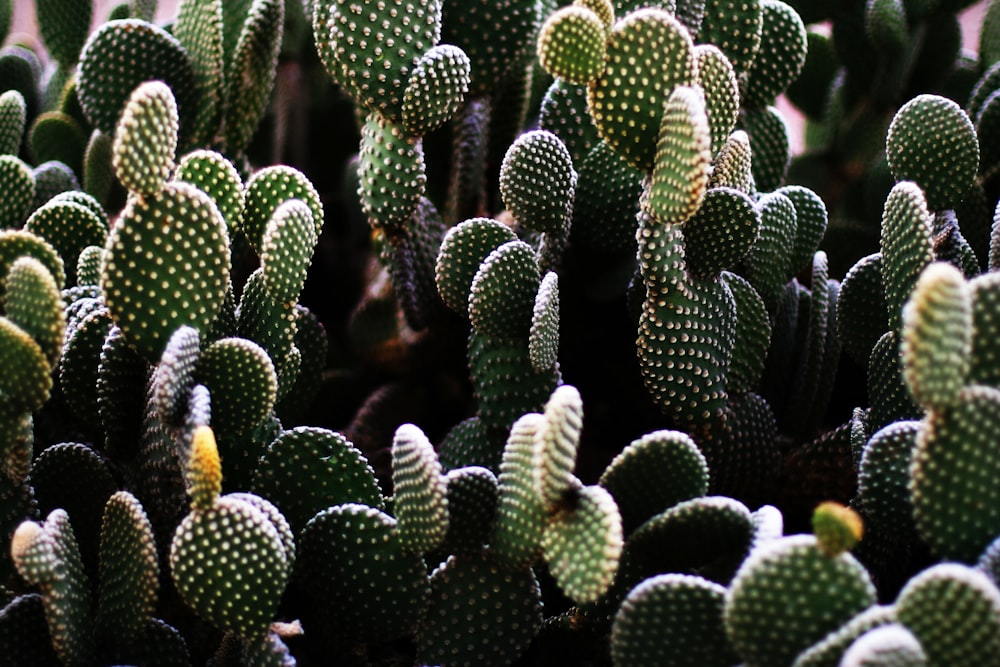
[(13, 110), (781, 55), (436, 89), (146, 139), (33, 302), (463, 250), (571, 44), (250, 74), (543, 337), (537, 181), (26, 380), (771, 144), (420, 496), (884, 477), (391, 171), (241, 379), (717, 79), (721, 233), (287, 249), (521, 514), (199, 29), (683, 156), (18, 184), (502, 294)]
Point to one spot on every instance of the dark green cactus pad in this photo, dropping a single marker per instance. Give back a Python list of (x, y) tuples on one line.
[(241, 379), (906, 245), (173, 378), (781, 55), (420, 494), (828, 651), (98, 174), (121, 388), (352, 563), (129, 572), (672, 620), (57, 136), (466, 195), (287, 249), (199, 29), (732, 167), (242, 454), (890, 398), (181, 229), (13, 117), (861, 309), (934, 125), (936, 345), (886, 25), (17, 434), (886, 646), (216, 176), (985, 295), (118, 57), (735, 27), (537, 181), (653, 49), (654, 473), (52, 178), (34, 303), (472, 506), (683, 157), (463, 250), (744, 457), (18, 184), (721, 233), (311, 341), (24, 633), (572, 43), (769, 138), (605, 10), (412, 258), (521, 514), (502, 294), (47, 557), (69, 227), (884, 477), (954, 453), (543, 337), (230, 566), (146, 139), (769, 265), (564, 113), (64, 26), (582, 543), (506, 601), (276, 518), (269, 323), (470, 443), (392, 175), (709, 536), (26, 380), (983, 90), (753, 335), (371, 49), (268, 189), (717, 79), (251, 71), (788, 595), (607, 195), (811, 223), (954, 612), (436, 89)]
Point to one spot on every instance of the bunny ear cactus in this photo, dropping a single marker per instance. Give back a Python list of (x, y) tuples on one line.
[(420, 497), (517, 532), (780, 56), (888, 645), (436, 89), (13, 117), (572, 43), (146, 139), (537, 181), (18, 182), (199, 29)]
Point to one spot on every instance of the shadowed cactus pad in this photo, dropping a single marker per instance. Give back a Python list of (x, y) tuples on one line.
[(241, 379), (13, 110), (18, 185), (167, 264), (571, 44), (146, 139), (463, 250), (932, 141), (537, 181), (734, 26), (543, 337), (672, 620), (26, 379), (420, 496)]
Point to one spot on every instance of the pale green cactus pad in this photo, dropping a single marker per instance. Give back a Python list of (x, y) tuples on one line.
[(420, 494), (521, 514), (26, 380), (436, 89), (571, 44), (543, 337), (199, 29), (683, 156), (34, 303), (556, 442), (180, 229), (732, 167), (886, 646), (717, 79)]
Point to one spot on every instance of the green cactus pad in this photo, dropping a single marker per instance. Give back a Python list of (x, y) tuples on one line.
[(392, 175), (18, 185), (931, 125), (287, 249), (216, 176), (886, 646), (34, 303), (937, 337), (906, 245), (118, 57), (26, 379), (508, 602), (24, 634), (556, 443), (268, 189), (436, 89), (753, 335), (722, 96), (471, 443), (57, 136), (769, 265), (954, 612), (502, 294), (732, 166), (122, 378), (129, 571), (654, 473), (582, 543), (464, 248), (771, 143), (276, 518), (653, 49), (146, 139), (199, 29), (781, 55), (672, 620), (884, 477), (985, 292), (420, 496), (788, 595), (241, 379), (17, 436), (735, 27), (952, 499), (537, 181), (173, 378), (890, 398), (352, 563), (52, 178), (13, 116), (46, 555), (606, 204), (64, 26), (811, 223), (721, 233), (521, 514), (251, 71), (181, 230), (472, 506), (311, 341), (828, 651), (683, 156), (98, 175), (861, 309), (308, 469), (543, 337), (371, 49), (69, 227), (242, 454), (269, 323), (564, 113), (79, 363), (230, 566), (571, 44)]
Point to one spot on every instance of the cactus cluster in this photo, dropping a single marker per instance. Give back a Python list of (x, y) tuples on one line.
[(500, 332)]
